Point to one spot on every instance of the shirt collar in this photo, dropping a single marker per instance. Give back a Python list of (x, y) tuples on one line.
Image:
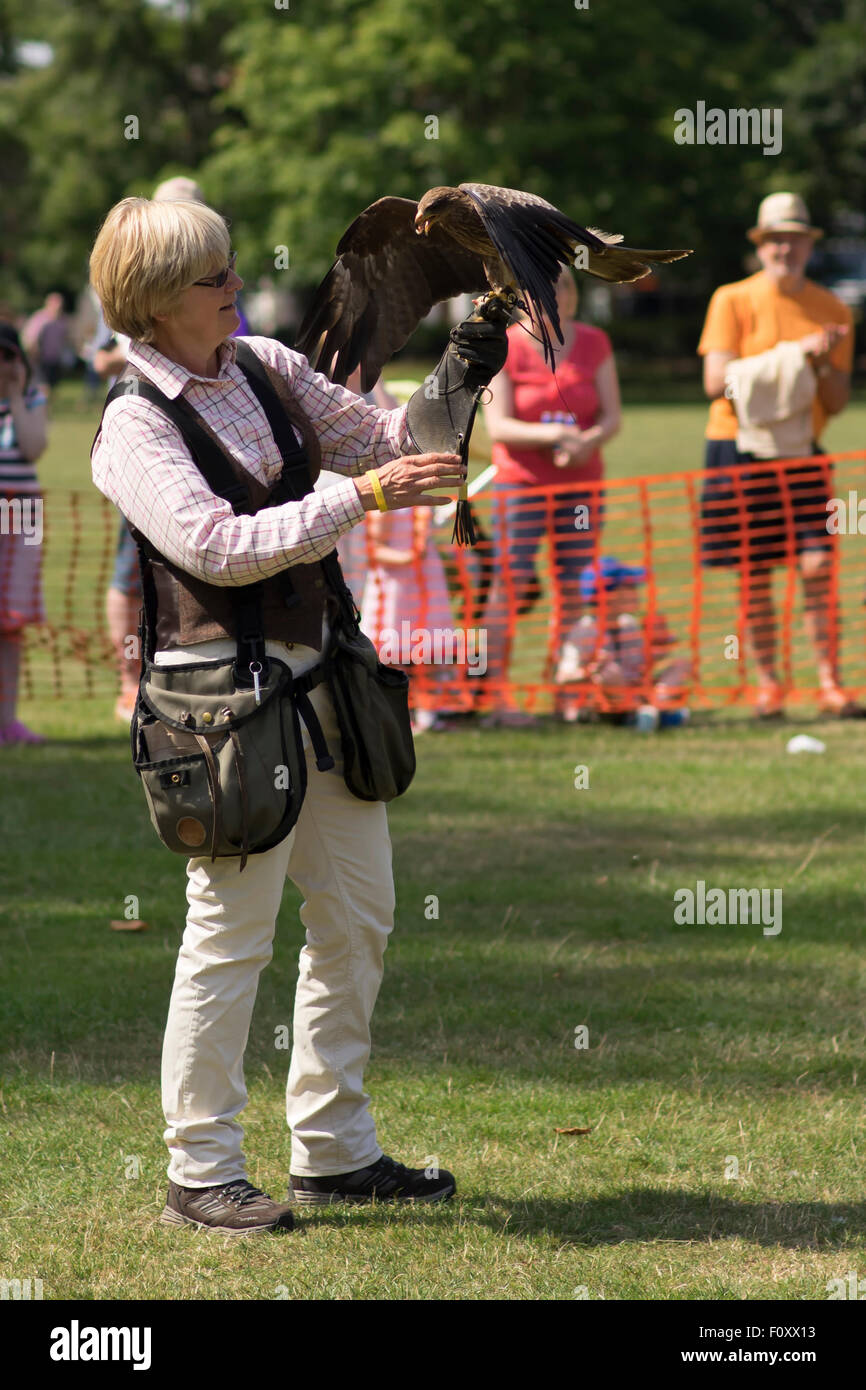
[(170, 377)]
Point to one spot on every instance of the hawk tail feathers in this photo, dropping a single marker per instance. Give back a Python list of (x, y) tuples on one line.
[(623, 264)]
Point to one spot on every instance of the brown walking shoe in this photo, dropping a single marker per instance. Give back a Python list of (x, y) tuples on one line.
[(234, 1208)]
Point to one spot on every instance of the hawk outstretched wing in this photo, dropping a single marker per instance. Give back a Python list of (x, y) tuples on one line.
[(384, 281), (399, 258)]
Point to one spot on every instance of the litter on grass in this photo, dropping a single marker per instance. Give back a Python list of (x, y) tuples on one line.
[(804, 743)]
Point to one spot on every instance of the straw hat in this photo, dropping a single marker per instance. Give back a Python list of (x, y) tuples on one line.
[(783, 212)]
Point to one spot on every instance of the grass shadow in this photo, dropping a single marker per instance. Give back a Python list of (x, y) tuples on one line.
[(633, 1215)]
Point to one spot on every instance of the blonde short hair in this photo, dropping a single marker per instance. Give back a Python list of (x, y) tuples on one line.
[(147, 253)]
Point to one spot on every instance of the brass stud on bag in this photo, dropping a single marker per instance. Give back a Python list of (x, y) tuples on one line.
[(191, 832), (207, 717)]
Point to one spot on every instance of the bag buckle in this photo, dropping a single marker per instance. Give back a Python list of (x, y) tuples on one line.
[(252, 667), (255, 670)]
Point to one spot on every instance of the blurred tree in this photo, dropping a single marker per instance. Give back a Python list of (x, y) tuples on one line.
[(345, 100), (127, 94), (296, 117), (338, 100), (824, 95)]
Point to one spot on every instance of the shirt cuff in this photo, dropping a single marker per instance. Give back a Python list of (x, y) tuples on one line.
[(399, 435), (344, 504)]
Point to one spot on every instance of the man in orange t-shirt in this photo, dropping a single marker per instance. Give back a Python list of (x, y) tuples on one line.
[(751, 316)]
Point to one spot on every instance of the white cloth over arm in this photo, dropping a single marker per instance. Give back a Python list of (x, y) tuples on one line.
[(772, 393)]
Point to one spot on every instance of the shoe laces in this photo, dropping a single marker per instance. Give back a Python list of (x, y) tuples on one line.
[(241, 1193), (392, 1168)]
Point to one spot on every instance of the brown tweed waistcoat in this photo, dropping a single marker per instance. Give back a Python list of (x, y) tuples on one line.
[(190, 610)]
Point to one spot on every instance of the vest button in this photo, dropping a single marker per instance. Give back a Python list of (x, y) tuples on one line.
[(319, 583)]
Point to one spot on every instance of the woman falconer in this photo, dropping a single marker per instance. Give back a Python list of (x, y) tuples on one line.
[(164, 273)]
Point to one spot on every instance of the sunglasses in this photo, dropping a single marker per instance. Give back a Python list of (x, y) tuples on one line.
[(216, 282)]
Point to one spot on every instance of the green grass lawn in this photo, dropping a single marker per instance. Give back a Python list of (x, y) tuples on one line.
[(706, 1044), (722, 1081)]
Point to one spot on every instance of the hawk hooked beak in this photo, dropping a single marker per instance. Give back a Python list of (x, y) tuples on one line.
[(422, 226)]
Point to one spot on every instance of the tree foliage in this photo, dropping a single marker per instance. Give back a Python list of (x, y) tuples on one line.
[(296, 118)]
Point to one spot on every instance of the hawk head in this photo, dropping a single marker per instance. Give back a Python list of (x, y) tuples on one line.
[(432, 207)]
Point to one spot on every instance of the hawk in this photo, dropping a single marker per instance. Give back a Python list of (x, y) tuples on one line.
[(399, 258)]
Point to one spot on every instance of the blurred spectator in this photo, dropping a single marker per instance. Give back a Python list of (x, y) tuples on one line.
[(45, 336), (88, 334), (406, 592), (123, 597), (405, 583), (546, 428), (22, 441), (179, 189), (612, 647), (271, 311), (777, 352)]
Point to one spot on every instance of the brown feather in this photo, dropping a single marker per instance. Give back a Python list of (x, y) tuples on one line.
[(385, 280)]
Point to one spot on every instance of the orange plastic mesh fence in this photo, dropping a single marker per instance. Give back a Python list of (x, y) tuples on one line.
[(516, 624), (70, 654), (722, 561)]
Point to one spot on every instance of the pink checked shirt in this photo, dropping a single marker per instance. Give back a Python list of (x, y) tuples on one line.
[(142, 464)]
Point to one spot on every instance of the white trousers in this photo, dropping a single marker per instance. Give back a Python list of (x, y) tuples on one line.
[(339, 856)]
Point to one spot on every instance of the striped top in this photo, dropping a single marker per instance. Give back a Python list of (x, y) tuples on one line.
[(143, 466), (17, 474)]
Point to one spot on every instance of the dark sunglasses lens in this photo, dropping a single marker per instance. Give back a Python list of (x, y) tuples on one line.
[(217, 281)]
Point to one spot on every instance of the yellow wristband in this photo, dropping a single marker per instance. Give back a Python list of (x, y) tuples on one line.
[(377, 491)]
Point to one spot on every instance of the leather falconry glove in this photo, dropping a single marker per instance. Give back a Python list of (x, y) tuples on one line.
[(441, 413)]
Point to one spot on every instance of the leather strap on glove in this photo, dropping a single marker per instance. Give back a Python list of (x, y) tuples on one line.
[(441, 412)]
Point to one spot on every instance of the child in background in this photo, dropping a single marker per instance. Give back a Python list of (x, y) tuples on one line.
[(22, 442), (405, 582), (613, 658)]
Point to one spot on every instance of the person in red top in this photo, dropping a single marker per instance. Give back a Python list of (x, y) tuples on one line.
[(547, 428)]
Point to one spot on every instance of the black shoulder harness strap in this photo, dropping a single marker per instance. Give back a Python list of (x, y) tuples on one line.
[(295, 478), (294, 484)]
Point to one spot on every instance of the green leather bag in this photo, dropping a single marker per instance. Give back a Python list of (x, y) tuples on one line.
[(223, 775), (371, 702)]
